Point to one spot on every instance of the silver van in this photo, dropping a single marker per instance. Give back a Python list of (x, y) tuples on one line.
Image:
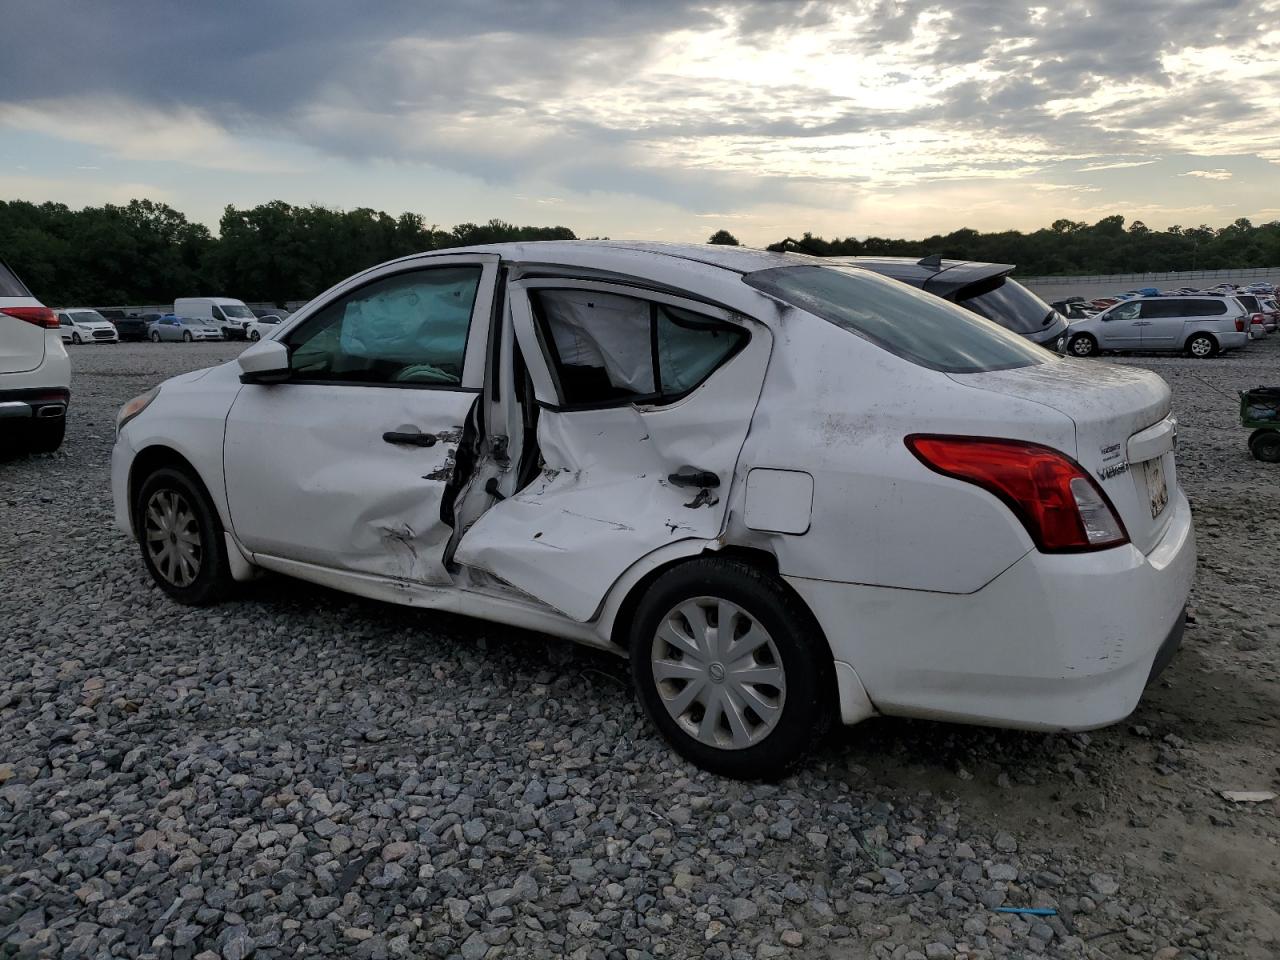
[(1199, 325)]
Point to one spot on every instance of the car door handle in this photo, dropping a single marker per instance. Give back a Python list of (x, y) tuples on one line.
[(412, 439), (698, 478)]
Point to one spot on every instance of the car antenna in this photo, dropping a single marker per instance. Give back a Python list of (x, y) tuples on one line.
[(801, 245), (932, 262)]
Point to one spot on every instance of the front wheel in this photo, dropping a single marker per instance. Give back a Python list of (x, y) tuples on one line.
[(1265, 445), (75, 338), (254, 335), (732, 668), (1202, 346), (181, 538), (1083, 345), (155, 337), (187, 336)]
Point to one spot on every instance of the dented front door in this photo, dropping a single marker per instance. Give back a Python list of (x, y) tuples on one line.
[(346, 464), (619, 480)]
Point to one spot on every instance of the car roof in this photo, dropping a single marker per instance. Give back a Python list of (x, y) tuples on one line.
[(571, 252)]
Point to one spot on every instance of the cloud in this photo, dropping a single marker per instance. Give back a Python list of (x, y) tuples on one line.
[(1117, 165), (705, 105), (1215, 174)]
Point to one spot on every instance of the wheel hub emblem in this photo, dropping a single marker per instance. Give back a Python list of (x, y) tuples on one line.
[(716, 670)]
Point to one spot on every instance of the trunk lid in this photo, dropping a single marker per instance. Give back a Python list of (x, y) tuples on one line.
[(1125, 436)]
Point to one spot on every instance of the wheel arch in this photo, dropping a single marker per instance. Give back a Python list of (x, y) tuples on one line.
[(155, 457), (1217, 345)]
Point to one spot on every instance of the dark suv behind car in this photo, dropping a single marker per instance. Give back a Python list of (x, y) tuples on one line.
[(985, 288)]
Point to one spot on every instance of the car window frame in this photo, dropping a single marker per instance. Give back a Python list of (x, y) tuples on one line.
[(474, 349), (656, 400)]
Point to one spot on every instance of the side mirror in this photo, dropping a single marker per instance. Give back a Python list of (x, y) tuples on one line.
[(267, 361)]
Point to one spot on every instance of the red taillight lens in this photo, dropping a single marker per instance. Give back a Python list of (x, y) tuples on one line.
[(1256, 318), (1059, 504), (1239, 324), (40, 316)]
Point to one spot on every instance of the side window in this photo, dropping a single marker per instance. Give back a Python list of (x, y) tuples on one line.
[(64, 320), (613, 349), (1205, 308), (1126, 311), (410, 328), (1160, 309)]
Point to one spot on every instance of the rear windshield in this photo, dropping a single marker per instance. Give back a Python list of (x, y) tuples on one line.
[(916, 326), (1014, 306), (10, 285), (1250, 302)]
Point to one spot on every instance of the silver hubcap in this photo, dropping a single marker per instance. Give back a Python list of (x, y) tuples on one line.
[(1082, 346), (718, 673), (1200, 348), (173, 537)]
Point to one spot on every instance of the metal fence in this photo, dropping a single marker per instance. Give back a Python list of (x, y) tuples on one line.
[(1102, 285)]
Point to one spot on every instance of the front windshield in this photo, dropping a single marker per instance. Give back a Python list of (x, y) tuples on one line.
[(236, 311), (905, 321), (88, 316), (1014, 306)]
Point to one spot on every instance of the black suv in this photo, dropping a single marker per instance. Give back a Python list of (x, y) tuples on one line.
[(985, 288)]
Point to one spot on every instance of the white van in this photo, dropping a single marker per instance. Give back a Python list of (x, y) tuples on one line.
[(227, 313)]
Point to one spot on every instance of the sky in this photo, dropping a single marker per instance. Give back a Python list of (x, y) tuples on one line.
[(658, 119)]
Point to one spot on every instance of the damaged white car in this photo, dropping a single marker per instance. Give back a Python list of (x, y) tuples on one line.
[(789, 490)]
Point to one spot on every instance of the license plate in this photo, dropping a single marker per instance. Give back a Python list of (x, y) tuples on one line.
[(1157, 491)]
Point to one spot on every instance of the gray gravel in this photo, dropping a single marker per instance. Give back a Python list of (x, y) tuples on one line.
[(300, 773)]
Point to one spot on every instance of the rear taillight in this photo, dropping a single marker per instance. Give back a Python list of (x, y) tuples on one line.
[(1257, 318), (1062, 508), (40, 316), (1239, 324)]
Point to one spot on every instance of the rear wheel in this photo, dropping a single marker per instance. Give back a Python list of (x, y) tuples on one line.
[(155, 337), (732, 668), (1083, 345), (181, 537), (1265, 445), (44, 434), (1202, 346)]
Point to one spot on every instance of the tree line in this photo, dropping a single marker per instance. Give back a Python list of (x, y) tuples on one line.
[(148, 252)]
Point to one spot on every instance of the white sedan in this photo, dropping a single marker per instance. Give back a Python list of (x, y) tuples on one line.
[(789, 491), (262, 327)]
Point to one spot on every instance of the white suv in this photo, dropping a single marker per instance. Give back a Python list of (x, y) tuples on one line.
[(35, 372)]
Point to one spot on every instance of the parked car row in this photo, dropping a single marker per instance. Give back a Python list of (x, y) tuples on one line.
[(1200, 323), (192, 319)]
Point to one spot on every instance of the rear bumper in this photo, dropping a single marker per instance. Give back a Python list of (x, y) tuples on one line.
[(1233, 340), (34, 402), (1055, 642)]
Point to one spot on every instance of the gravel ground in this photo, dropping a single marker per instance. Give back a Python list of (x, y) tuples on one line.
[(301, 773)]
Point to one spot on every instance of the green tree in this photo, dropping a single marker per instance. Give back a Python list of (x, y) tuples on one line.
[(724, 238)]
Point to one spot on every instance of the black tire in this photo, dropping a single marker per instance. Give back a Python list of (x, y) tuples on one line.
[(44, 434), (212, 580), (155, 337), (1264, 444), (187, 336), (254, 335), (1202, 346), (1082, 345), (75, 338), (808, 707)]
